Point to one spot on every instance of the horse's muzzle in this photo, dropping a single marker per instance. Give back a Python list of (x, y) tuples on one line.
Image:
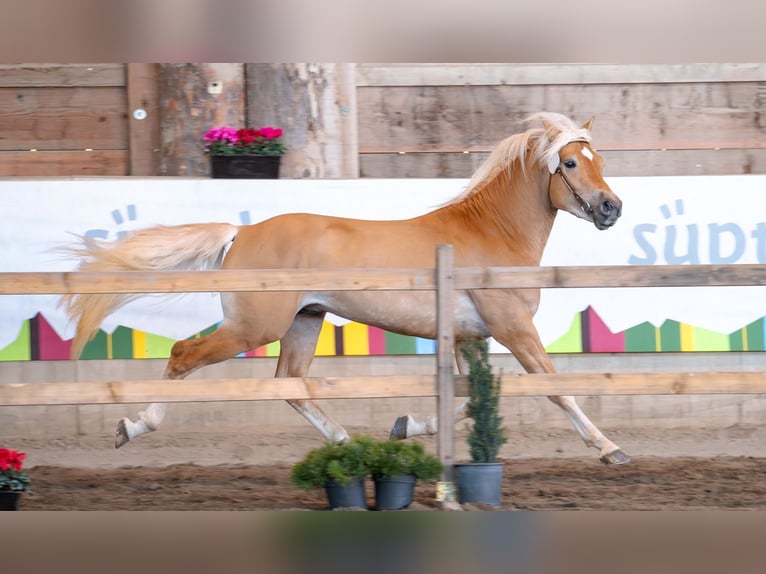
[(607, 213)]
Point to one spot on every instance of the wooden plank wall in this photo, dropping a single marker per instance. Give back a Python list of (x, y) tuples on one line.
[(414, 120), (440, 120), (63, 120)]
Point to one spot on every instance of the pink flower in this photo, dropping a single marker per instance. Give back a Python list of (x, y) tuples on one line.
[(11, 459), (227, 140), (224, 134), (270, 133)]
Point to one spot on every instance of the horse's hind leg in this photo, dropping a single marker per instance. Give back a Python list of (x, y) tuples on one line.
[(297, 349), (186, 356), (407, 427)]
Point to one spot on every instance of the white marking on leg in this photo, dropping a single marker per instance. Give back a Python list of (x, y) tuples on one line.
[(430, 424), (153, 415), (331, 430), (583, 425), (148, 420)]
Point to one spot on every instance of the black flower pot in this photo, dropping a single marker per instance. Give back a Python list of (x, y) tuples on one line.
[(9, 499), (245, 166), (479, 482), (351, 495), (394, 492)]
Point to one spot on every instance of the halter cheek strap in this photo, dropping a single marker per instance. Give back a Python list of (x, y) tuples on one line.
[(584, 205), (554, 166)]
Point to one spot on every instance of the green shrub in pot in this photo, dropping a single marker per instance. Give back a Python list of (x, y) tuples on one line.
[(340, 463), (399, 458)]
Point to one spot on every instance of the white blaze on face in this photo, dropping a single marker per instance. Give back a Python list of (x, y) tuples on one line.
[(587, 153)]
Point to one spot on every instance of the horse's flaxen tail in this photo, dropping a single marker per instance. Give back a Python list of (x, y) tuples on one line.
[(162, 248)]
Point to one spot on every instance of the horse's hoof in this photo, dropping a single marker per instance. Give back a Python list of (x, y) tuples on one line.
[(399, 430), (614, 458), (121, 435)]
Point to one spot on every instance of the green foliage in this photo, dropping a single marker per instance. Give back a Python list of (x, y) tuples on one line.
[(339, 462), (14, 480), (398, 458), (486, 435), (360, 456)]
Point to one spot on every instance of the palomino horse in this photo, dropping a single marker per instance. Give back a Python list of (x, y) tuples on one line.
[(503, 219)]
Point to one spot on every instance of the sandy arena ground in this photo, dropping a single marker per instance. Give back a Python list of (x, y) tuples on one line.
[(671, 469)]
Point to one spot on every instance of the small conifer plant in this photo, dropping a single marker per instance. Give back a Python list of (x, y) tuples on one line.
[(486, 434)]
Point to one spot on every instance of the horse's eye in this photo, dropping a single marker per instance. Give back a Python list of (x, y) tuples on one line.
[(569, 164)]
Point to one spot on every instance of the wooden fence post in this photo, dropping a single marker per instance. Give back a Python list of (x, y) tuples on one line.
[(445, 344)]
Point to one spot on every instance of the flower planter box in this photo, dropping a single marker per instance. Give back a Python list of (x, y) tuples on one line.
[(9, 499), (245, 166)]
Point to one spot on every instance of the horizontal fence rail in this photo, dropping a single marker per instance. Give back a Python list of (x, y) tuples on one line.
[(372, 387), (596, 276)]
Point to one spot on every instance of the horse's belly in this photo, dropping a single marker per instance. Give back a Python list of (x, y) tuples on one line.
[(407, 313)]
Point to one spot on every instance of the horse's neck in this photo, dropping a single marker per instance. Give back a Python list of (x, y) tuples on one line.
[(517, 210)]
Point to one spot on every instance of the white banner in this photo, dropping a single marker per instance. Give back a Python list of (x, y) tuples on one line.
[(666, 220)]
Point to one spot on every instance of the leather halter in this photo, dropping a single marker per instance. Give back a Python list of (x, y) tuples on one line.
[(584, 205)]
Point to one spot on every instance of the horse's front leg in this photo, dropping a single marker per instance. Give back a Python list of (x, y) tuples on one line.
[(611, 454), (523, 340)]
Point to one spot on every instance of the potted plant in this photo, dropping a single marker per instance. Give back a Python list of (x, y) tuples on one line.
[(396, 466), (481, 479), (12, 480), (244, 152), (339, 468)]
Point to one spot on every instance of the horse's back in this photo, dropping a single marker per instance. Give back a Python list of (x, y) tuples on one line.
[(303, 240)]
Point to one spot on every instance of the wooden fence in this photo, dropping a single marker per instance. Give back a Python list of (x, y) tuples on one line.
[(443, 279)]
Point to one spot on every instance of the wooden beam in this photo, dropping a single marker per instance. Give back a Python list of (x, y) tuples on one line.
[(527, 74), (75, 118), (143, 118), (213, 281), (595, 384), (693, 115), (206, 390), (521, 385), (445, 361), (63, 163), (595, 276), (58, 75), (619, 163)]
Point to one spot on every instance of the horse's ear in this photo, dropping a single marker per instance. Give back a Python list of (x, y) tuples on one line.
[(586, 125), (550, 130)]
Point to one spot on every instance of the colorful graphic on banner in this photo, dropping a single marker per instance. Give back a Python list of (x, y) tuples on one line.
[(588, 334)]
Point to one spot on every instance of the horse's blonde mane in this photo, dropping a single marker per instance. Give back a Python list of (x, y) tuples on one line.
[(542, 150)]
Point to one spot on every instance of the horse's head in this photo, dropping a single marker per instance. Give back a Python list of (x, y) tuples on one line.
[(576, 182)]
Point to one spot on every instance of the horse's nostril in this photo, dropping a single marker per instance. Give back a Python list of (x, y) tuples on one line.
[(607, 208)]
